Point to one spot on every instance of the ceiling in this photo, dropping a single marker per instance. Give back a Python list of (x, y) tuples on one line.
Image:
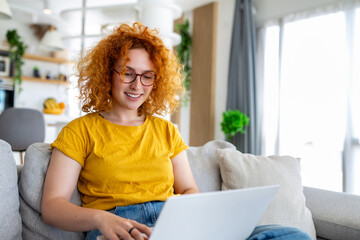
[(67, 14), (59, 6), (100, 16)]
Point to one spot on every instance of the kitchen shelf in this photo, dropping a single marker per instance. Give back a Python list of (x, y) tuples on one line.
[(43, 59), (48, 81), (46, 59)]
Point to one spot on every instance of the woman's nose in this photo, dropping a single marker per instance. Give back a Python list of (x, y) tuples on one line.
[(136, 84)]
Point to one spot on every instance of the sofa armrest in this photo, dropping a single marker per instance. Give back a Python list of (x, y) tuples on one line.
[(336, 215)]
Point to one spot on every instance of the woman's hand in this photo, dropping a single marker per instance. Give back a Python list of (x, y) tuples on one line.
[(114, 227)]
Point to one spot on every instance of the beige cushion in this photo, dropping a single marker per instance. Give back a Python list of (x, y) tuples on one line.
[(288, 208)]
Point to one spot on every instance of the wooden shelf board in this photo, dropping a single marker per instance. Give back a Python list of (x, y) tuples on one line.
[(50, 81), (45, 58)]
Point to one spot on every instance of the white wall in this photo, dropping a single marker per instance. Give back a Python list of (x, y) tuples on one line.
[(223, 43), (23, 30)]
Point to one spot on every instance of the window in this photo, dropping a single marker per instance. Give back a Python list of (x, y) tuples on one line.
[(311, 97), (271, 88)]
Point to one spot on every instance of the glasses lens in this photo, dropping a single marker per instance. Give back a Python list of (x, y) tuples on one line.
[(129, 76), (148, 78)]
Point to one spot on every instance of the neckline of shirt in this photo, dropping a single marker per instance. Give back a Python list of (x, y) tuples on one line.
[(109, 122)]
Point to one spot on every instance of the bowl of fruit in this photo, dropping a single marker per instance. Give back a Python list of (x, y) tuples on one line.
[(51, 106)]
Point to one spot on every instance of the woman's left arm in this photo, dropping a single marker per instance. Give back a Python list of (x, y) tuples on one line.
[(184, 182)]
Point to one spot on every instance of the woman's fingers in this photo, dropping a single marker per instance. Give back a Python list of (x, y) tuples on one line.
[(133, 230), (137, 235), (115, 227), (143, 228), (139, 231)]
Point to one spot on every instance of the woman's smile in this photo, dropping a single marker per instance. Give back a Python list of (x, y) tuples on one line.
[(133, 96)]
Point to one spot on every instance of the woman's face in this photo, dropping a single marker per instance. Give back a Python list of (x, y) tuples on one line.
[(130, 96)]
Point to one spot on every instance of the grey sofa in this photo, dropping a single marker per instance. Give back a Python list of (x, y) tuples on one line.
[(336, 215)]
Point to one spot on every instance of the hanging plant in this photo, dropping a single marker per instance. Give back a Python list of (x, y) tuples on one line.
[(184, 55), (234, 122), (16, 52)]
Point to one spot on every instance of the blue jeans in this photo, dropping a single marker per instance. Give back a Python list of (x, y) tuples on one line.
[(278, 232), (147, 214)]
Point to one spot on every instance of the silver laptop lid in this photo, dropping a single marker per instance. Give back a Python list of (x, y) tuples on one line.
[(230, 215)]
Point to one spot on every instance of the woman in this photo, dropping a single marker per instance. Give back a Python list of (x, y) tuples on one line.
[(119, 154), (124, 161)]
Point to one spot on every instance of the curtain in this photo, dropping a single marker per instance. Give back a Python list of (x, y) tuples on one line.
[(242, 75)]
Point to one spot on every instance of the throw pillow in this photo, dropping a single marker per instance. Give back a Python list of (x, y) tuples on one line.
[(205, 165), (288, 208)]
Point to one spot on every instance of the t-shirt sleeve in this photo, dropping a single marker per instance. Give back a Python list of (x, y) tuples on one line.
[(72, 142), (178, 143)]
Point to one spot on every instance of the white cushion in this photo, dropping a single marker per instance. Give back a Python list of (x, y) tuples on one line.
[(288, 208), (205, 165)]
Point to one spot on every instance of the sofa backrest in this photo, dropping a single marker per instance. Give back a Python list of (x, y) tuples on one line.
[(10, 220)]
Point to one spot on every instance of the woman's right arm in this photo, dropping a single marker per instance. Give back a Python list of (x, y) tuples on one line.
[(57, 210)]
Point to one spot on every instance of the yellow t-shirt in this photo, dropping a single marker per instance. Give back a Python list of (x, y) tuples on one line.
[(121, 165)]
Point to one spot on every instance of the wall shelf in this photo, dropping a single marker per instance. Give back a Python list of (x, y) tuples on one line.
[(46, 59), (41, 80), (48, 81)]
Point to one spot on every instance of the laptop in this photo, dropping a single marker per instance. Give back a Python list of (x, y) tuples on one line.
[(230, 215)]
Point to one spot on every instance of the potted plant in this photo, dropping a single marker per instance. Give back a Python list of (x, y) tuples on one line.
[(16, 52), (36, 72), (234, 122)]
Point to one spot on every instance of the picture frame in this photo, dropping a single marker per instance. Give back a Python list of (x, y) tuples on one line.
[(4, 66)]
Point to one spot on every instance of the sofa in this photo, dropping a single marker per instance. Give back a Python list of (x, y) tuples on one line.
[(330, 215)]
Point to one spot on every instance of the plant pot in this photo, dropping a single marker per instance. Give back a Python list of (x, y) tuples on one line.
[(36, 73)]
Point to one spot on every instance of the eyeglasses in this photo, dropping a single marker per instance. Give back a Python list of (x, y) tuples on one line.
[(146, 79)]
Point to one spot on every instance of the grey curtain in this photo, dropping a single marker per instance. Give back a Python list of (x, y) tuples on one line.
[(242, 74)]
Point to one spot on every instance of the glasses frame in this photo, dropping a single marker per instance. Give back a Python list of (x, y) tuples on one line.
[(136, 75)]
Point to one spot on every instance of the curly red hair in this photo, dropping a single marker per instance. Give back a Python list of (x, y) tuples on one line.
[(96, 67)]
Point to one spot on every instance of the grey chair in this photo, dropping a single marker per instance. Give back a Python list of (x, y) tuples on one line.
[(21, 127)]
